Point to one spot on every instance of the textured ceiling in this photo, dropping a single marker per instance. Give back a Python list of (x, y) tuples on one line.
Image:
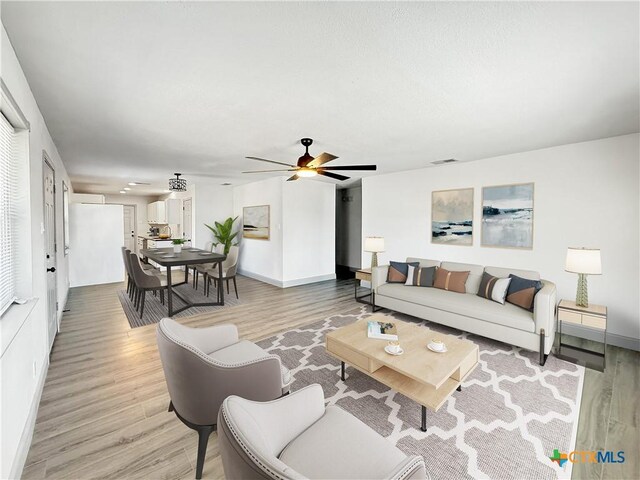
[(136, 91)]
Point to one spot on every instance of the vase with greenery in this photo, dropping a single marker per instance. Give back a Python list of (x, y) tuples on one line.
[(177, 244), (223, 233)]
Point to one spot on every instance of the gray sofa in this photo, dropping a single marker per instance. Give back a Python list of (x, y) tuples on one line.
[(471, 313)]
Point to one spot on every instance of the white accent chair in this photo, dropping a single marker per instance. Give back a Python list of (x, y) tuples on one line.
[(296, 437)]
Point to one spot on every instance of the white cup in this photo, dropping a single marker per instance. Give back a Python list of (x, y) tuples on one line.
[(437, 345), (393, 347)]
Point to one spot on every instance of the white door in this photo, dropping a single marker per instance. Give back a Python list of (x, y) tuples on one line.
[(50, 250), (129, 216), (186, 220)]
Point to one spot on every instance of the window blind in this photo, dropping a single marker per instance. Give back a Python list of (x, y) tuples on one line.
[(8, 214)]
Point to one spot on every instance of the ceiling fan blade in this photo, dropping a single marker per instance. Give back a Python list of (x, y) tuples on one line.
[(266, 171), (332, 175), (321, 159), (271, 161), (295, 177), (351, 167)]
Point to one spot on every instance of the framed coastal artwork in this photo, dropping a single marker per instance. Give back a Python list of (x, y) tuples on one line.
[(507, 216), (452, 217), (255, 222)]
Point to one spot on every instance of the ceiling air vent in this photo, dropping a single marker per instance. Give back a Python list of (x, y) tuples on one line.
[(442, 162)]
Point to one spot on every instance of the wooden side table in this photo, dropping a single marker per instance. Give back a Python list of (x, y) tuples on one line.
[(593, 316), (364, 274)]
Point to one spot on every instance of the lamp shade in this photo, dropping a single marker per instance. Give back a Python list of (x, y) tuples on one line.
[(583, 260), (374, 244)]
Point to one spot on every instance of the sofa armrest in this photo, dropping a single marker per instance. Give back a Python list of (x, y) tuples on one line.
[(379, 276), (544, 308)]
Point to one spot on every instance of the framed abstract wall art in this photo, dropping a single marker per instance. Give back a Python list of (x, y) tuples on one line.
[(507, 216), (255, 222), (452, 217)]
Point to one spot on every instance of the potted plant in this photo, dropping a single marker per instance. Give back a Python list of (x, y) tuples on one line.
[(223, 233), (177, 244)]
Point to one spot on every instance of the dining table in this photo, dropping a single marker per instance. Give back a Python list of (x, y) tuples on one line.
[(166, 257)]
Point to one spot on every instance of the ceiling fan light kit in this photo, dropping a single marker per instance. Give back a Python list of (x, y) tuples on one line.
[(309, 166), (306, 172)]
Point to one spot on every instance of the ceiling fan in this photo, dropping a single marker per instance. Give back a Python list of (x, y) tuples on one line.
[(309, 166)]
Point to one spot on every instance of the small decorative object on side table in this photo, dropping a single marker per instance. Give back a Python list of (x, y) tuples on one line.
[(593, 316), (364, 275)]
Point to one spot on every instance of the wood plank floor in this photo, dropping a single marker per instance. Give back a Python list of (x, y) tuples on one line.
[(103, 412)]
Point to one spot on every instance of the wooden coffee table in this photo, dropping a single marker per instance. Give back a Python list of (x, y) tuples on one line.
[(426, 377)]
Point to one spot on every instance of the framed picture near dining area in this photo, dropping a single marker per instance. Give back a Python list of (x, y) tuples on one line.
[(255, 222)]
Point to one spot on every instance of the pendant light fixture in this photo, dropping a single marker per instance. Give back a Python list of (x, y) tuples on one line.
[(177, 184)]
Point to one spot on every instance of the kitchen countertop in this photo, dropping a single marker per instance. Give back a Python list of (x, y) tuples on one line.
[(146, 237)]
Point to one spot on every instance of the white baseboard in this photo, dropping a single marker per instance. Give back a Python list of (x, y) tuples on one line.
[(305, 281), (288, 283), (27, 434), (596, 335), (261, 278)]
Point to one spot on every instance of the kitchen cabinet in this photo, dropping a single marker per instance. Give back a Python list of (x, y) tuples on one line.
[(163, 212), (156, 212)]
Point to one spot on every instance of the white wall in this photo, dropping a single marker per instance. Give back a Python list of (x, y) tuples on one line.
[(301, 248), (586, 194), (261, 259), (97, 237), (309, 241), (214, 203), (25, 351)]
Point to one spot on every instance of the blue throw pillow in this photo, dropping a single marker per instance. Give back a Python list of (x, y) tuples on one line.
[(522, 291), (398, 271)]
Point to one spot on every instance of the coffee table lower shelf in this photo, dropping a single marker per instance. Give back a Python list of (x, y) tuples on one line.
[(425, 395)]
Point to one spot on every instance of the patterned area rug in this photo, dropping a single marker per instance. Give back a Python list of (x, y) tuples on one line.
[(154, 310), (505, 423)]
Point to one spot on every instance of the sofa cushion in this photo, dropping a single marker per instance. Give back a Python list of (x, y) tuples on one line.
[(398, 271), (475, 274), (494, 288), (246, 351), (523, 291), (421, 277), (468, 305), (450, 281), (341, 446), (505, 272), (424, 262)]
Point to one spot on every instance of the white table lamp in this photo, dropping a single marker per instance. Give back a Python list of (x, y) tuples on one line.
[(374, 245), (583, 261)]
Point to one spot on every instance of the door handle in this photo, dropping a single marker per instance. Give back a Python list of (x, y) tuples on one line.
[(52, 269)]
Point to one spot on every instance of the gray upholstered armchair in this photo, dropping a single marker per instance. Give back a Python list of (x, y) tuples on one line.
[(296, 437), (203, 366)]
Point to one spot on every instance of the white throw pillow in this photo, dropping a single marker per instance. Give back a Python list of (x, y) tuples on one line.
[(410, 275), (499, 292)]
